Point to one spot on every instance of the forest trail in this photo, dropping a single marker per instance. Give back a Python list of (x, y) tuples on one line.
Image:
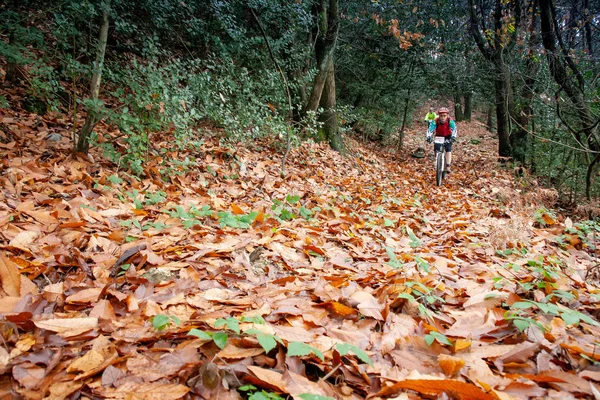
[(357, 269)]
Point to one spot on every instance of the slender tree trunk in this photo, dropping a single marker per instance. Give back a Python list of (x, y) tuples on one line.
[(495, 54), (587, 27), (458, 113), (502, 109), (558, 69), (327, 13), (329, 115), (323, 90), (524, 111), (468, 105), (588, 177), (92, 117), (406, 103)]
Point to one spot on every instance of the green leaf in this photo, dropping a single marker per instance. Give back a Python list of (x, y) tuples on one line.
[(422, 264), (200, 334), (231, 323), (160, 322), (345, 348), (220, 339), (267, 341), (521, 324), (407, 296), (256, 319), (394, 262), (414, 240), (429, 339), (247, 388), (389, 222), (307, 396), (522, 305), (570, 318), (292, 199), (302, 349), (441, 338)]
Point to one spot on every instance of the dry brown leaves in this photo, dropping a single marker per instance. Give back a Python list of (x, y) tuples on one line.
[(404, 271)]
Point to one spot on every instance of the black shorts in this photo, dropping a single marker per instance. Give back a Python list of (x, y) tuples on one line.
[(447, 144)]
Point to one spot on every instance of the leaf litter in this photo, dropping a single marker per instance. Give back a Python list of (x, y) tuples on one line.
[(351, 277)]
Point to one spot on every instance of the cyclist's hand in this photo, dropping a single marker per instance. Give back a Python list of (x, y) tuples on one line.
[(429, 139), (452, 139)]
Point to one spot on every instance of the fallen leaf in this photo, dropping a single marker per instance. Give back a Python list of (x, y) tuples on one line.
[(456, 389), (10, 277)]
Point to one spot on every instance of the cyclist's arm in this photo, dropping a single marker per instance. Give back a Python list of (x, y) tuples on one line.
[(453, 129), (431, 129)]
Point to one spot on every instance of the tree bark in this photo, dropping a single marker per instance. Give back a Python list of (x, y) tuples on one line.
[(92, 118), (468, 105), (558, 70), (323, 90), (329, 115), (493, 50), (458, 113), (327, 13), (587, 27), (524, 111)]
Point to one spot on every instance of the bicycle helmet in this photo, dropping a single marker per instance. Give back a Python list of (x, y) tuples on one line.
[(443, 110)]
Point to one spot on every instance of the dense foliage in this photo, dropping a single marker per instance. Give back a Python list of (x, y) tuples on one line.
[(174, 66)]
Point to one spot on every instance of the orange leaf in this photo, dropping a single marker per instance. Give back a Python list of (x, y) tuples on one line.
[(461, 344), (339, 309), (455, 389), (237, 210), (449, 364)]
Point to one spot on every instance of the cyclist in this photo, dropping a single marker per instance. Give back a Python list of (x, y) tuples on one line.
[(430, 117), (446, 127)]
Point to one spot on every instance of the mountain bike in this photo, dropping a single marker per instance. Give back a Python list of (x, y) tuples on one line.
[(440, 159)]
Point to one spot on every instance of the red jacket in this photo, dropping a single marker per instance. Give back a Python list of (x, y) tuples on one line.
[(444, 130)]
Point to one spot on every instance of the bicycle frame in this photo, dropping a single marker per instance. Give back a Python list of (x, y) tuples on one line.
[(440, 160)]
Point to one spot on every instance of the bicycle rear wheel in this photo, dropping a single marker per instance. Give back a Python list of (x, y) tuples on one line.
[(439, 167)]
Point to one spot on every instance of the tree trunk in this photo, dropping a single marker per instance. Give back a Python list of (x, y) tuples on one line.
[(494, 51), (329, 115), (326, 11), (323, 90), (468, 105), (587, 27), (502, 108), (458, 113), (524, 111), (558, 70), (92, 118)]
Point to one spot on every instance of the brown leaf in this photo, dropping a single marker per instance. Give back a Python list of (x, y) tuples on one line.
[(10, 277), (145, 391), (62, 390), (111, 376), (68, 326), (269, 376), (296, 384), (85, 296), (89, 361)]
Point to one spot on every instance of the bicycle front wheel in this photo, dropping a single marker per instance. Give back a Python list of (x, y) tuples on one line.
[(439, 168)]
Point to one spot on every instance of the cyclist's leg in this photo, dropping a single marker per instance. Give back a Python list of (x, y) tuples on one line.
[(448, 146)]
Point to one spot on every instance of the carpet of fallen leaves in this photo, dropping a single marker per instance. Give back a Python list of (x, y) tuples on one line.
[(348, 278)]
